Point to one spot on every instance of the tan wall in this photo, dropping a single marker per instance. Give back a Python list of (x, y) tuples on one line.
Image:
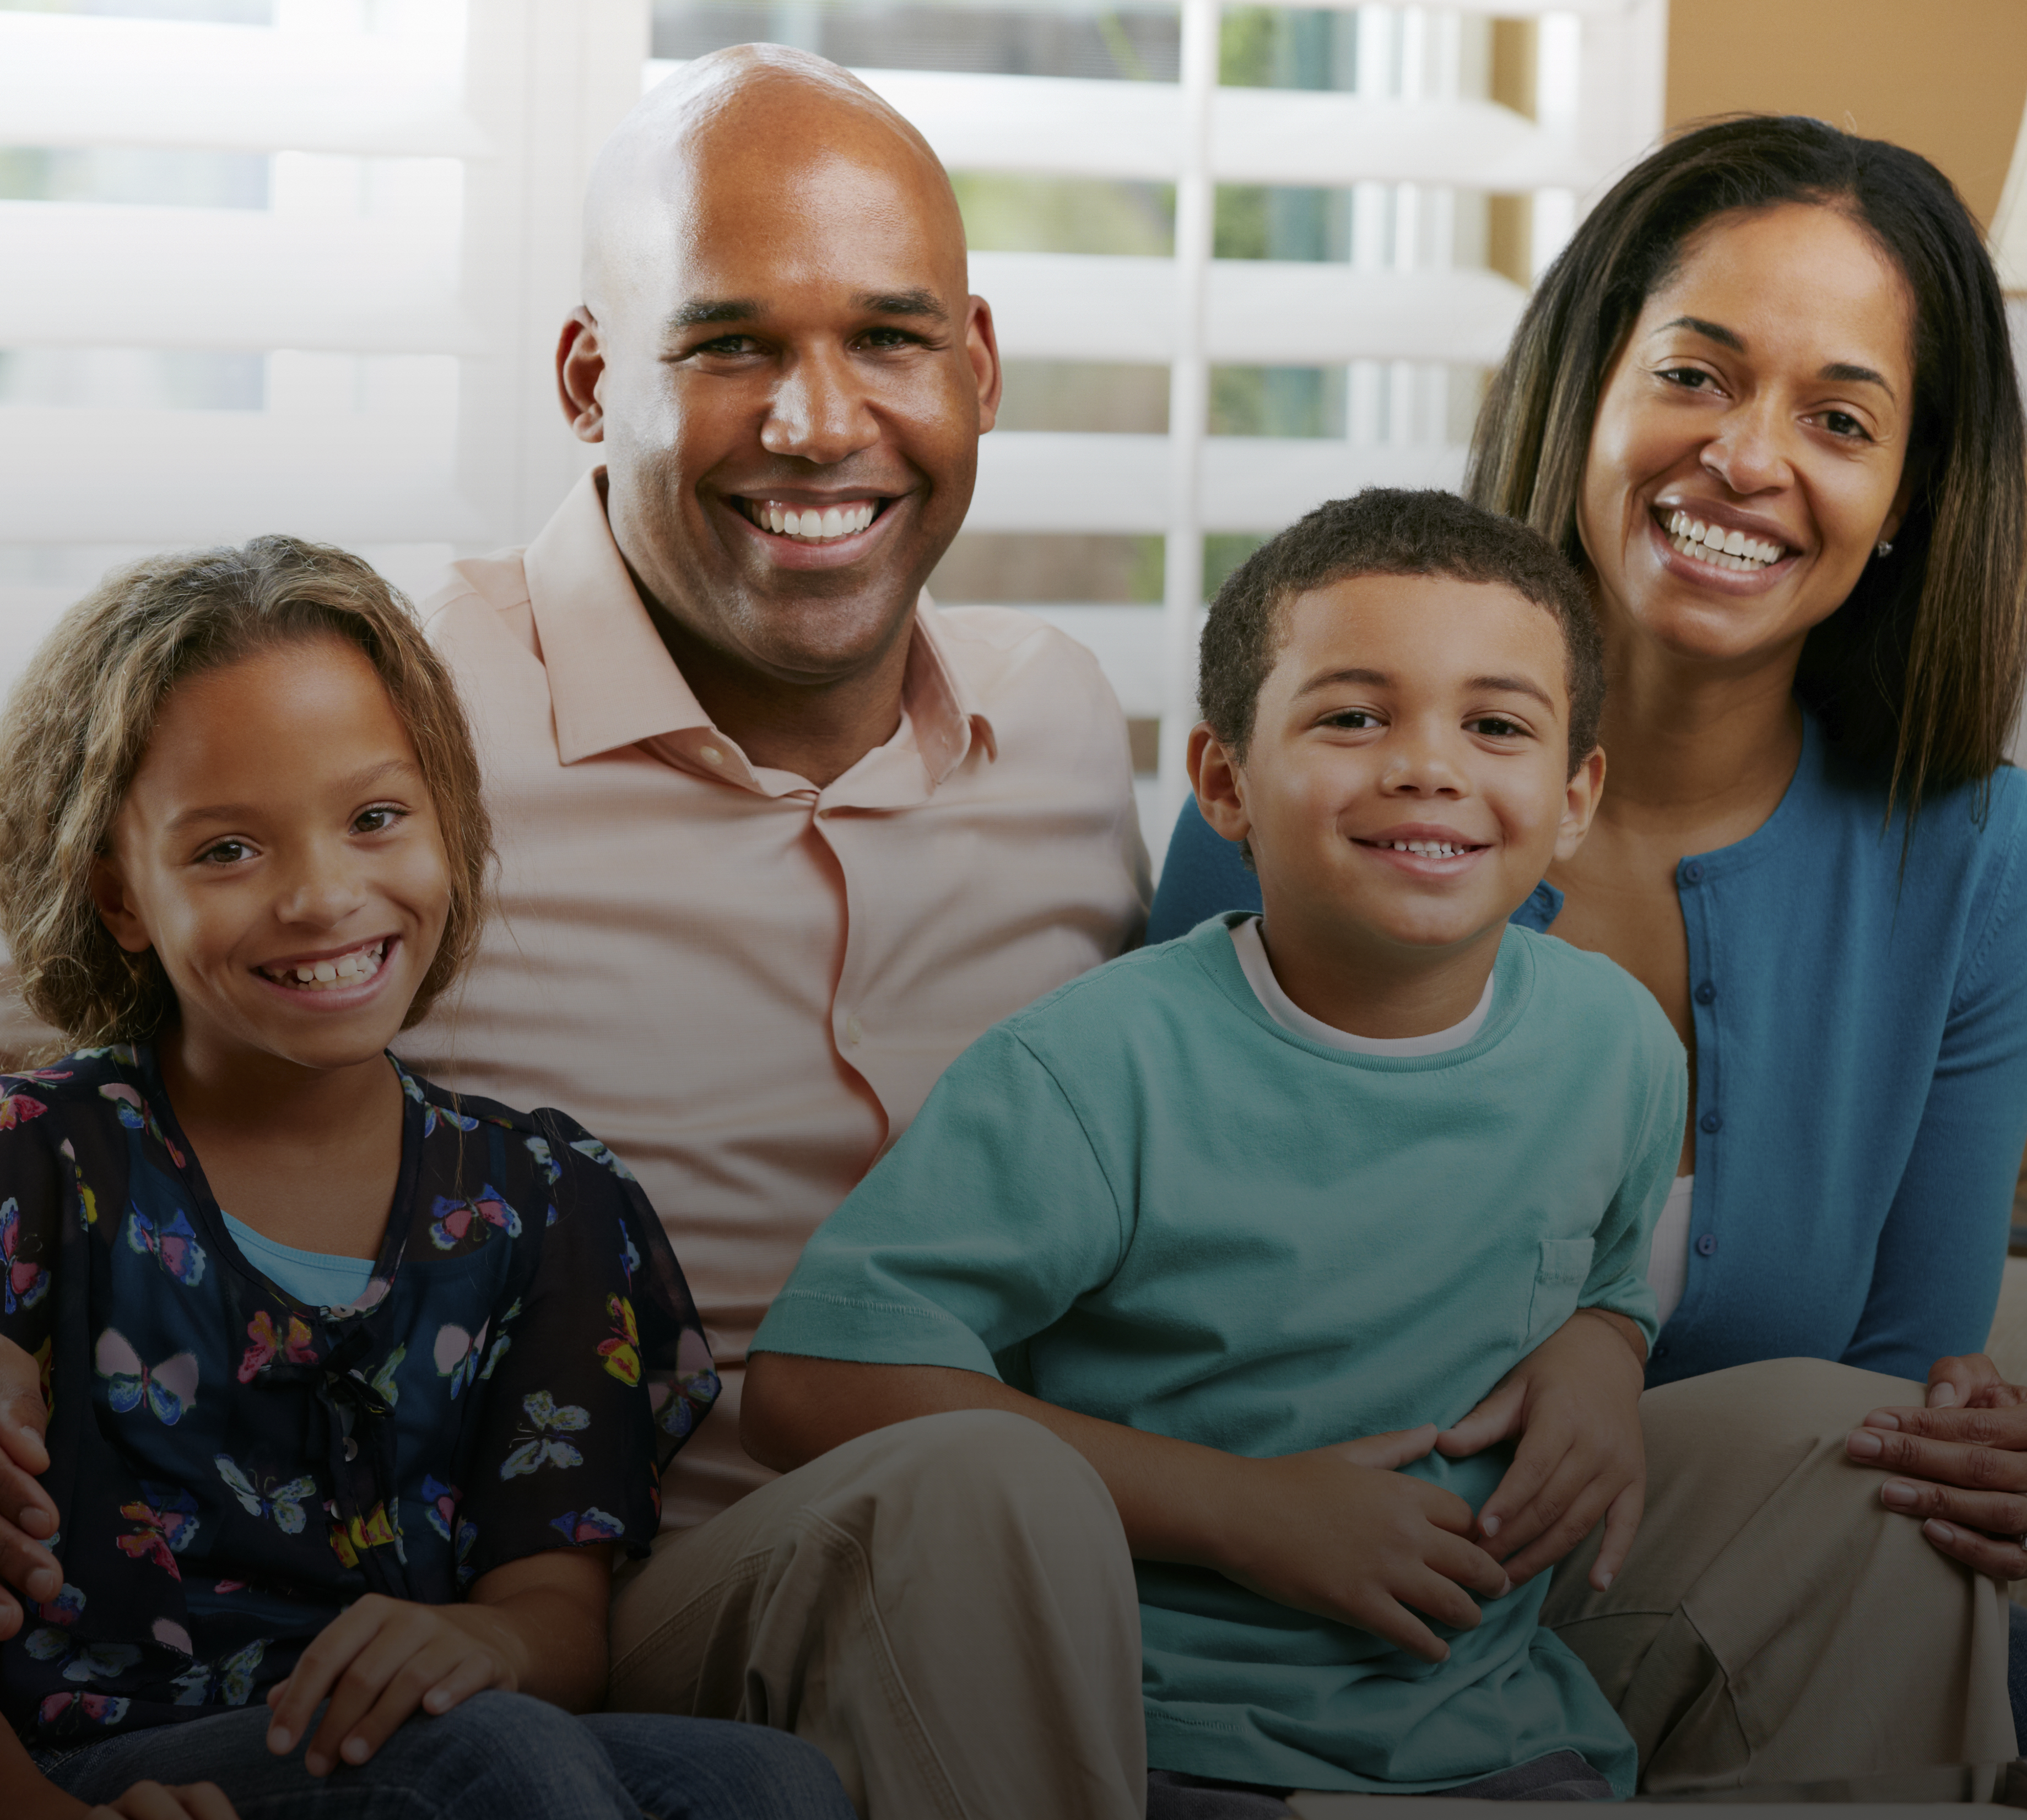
[(1945, 78)]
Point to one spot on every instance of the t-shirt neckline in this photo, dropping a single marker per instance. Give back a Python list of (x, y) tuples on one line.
[(1251, 952)]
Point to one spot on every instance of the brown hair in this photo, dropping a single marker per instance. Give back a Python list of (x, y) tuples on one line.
[(78, 725), (1921, 667), (1388, 531)]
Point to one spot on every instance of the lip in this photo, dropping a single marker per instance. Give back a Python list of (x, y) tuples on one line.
[(1426, 865), (1707, 575), (788, 552), (332, 998)]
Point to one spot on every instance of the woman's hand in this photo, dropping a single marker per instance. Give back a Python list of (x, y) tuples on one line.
[(1574, 1402), (27, 1514), (1960, 1462), (380, 1660)]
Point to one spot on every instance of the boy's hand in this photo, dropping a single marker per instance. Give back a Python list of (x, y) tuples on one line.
[(152, 1801), (1338, 1532), (380, 1660), (1574, 1402)]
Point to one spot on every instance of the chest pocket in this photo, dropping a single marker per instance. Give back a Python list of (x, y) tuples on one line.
[(1558, 1278)]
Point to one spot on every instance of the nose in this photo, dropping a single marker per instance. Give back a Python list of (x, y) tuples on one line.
[(1748, 452), (322, 887), (819, 411), (1421, 763)]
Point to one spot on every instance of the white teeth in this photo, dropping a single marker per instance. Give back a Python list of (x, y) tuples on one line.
[(1723, 549), (320, 975), (812, 525), (1427, 849)]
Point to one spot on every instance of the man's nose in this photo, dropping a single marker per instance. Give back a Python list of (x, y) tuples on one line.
[(819, 412)]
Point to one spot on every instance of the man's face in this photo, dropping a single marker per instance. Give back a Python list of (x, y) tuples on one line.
[(790, 381)]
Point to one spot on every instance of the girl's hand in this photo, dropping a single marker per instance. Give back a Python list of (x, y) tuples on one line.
[(382, 1659), (1574, 1402), (1961, 1464), (27, 1515), (152, 1801), (1338, 1532)]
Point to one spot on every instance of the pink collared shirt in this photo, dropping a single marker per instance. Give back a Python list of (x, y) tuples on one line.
[(744, 985)]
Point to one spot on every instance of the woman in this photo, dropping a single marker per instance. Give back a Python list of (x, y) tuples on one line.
[(1766, 401)]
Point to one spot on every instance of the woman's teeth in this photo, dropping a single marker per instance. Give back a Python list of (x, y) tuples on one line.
[(809, 525), (348, 970), (1722, 549)]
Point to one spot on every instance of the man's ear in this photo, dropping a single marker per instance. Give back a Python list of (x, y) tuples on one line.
[(579, 366), (115, 905), (1580, 797), (1219, 783), (981, 348)]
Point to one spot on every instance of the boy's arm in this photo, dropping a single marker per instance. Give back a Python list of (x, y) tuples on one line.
[(1336, 1531), (535, 1625)]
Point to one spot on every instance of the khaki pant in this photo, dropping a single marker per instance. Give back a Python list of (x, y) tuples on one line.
[(946, 1608)]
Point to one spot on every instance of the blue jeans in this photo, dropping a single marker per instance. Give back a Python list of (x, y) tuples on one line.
[(499, 1756)]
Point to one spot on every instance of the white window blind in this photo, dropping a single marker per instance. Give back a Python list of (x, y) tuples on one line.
[(299, 265)]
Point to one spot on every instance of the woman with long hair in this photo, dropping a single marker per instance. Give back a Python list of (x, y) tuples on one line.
[(1766, 401)]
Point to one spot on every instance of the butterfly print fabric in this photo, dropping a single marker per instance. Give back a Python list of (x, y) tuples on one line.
[(233, 1468)]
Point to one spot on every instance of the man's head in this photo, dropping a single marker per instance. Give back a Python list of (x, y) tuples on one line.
[(777, 328), (1401, 696)]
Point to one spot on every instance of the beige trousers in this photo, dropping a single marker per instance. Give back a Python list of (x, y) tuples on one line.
[(946, 1608)]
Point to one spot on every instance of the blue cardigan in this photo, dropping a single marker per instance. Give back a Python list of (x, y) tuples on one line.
[(1861, 1067)]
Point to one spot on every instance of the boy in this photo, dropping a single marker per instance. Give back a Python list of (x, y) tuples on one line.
[(1247, 1217)]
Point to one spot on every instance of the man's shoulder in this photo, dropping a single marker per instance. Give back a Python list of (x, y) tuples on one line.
[(1001, 649), (482, 593)]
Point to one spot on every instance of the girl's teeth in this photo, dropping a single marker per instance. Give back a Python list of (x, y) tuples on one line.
[(314, 975), (1723, 549), (812, 525)]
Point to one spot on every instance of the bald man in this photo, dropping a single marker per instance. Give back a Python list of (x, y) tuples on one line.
[(779, 839)]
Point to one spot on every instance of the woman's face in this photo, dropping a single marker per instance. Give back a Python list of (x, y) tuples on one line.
[(1764, 395)]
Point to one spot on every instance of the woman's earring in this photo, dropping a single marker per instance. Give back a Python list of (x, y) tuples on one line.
[(1882, 548)]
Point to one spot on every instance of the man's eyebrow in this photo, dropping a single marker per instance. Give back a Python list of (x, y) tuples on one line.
[(1513, 685), (701, 310), (358, 783), (903, 303)]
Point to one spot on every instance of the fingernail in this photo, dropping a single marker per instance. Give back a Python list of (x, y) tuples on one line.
[(1862, 1444), (1882, 1419), (45, 1583), (1604, 1580), (1938, 1532), (355, 1750), (280, 1740), (1900, 1494), (1490, 1525), (1943, 1396)]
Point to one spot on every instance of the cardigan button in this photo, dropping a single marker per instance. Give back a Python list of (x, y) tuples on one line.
[(1693, 871), (1706, 1244), (1710, 1122), (1705, 993)]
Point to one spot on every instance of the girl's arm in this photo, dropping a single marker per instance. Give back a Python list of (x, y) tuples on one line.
[(26, 1794), (536, 1626)]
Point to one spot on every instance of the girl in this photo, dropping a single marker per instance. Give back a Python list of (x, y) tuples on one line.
[(355, 1386)]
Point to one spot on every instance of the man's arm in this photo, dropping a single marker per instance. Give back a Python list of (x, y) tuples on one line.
[(1336, 1531)]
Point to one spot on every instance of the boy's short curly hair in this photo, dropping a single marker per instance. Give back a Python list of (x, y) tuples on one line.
[(1388, 531), (79, 723)]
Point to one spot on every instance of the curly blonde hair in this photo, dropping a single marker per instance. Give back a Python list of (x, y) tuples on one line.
[(78, 725)]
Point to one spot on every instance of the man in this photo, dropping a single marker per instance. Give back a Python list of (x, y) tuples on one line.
[(779, 839)]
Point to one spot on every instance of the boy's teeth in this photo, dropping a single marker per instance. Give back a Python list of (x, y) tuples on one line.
[(1428, 849), (316, 975), (810, 525), (1721, 549)]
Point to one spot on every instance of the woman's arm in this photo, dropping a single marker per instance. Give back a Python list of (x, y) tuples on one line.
[(535, 1625)]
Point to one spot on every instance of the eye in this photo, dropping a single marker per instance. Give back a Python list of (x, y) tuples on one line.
[(1690, 379), (1497, 727), (1352, 720), (891, 338), (1844, 427), (224, 853), (377, 819)]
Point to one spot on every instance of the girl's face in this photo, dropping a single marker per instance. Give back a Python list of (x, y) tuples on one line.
[(279, 852), (1764, 393)]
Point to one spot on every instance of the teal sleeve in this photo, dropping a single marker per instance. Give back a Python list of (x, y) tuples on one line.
[(1618, 1279), (980, 1228)]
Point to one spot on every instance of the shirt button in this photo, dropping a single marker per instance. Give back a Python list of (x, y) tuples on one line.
[(854, 1030), (1710, 1122), (710, 755), (1705, 993), (1706, 1244), (1660, 1349), (1693, 870)]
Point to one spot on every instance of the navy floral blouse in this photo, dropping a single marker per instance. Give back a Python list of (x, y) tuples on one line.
[(232, 1469)]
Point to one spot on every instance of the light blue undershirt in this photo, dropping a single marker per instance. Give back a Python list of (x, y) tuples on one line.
[(316, 1279)]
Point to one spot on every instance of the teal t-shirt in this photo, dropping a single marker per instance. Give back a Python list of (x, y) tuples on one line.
[(1142, 1198)]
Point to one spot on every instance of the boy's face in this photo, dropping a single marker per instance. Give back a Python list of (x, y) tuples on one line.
[(1405, 787)]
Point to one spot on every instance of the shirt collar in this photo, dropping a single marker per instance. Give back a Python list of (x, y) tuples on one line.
[(612, 682)]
